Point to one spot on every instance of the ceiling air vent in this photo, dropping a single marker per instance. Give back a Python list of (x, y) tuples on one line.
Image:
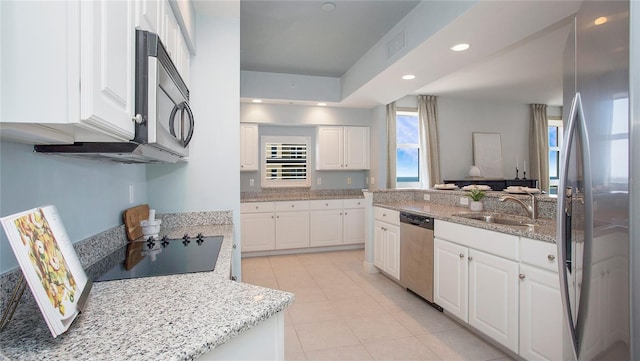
[(396, 44)]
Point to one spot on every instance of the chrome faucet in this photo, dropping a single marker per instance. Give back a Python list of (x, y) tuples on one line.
[(532, 210)]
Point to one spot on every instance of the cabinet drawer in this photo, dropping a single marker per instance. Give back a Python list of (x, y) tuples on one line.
[(292, 206), (353, 203), (326, 204), (539, 253), (496, 243), (257, 207), (387, 215)]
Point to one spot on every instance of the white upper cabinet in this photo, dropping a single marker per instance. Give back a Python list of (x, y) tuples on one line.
[(342, 148), (107, 66), (249, 147), (71, 75), (148, 15)]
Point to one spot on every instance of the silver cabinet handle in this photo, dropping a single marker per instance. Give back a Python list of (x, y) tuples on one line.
[(521, 276), (345, 213), (138, 118), (278, 217), (470, 258), (293, 205), (551, 257), (326, 204), (461, 255), (257, 207), (234, 246)]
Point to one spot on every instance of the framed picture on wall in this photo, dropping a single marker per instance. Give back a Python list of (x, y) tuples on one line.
[(487, 154)]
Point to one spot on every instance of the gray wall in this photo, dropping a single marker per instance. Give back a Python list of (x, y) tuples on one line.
[(89, 195), (299, 120)]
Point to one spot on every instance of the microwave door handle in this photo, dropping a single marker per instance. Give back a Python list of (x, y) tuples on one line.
[(189, 114)]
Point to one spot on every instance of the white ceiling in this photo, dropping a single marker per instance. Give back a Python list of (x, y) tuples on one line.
[(298, 37), (515, 55)]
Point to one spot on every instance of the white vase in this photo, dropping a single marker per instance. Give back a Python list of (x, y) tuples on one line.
[(475, 206)]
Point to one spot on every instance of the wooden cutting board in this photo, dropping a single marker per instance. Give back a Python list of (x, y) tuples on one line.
[(132, 218)]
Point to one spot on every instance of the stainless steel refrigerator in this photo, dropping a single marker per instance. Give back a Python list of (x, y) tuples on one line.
[(598, 199)]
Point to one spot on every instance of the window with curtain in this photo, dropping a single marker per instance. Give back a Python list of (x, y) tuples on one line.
[(285, 161), (407, 150), (619, 153), (555, 144)]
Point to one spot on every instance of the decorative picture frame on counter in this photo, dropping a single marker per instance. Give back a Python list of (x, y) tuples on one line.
[(487, 154), (49, 265)]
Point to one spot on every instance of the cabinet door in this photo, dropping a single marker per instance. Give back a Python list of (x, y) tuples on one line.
[(326, 228), (249, 147), (493, 297), (330, 148), (292, 230), (148, 15), (450, 287), (356, 148), (392, 251), (378, 244), (540, 314), (353, 226), (258, 232), (170, 30), (107, 67)]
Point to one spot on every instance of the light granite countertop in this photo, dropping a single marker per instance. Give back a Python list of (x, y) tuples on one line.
[(293, 194), (543, 230), (177, 317)]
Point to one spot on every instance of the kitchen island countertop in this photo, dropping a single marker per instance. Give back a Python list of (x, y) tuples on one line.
[(544, 229), (177, 317)]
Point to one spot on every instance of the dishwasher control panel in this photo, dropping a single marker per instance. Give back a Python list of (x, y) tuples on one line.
[(416, 220)]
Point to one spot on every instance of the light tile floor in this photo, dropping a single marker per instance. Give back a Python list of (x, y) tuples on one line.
[(343, 313)]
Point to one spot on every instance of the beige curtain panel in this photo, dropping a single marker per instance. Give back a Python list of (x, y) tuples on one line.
[(539, 146), (391, 145), (429, 154)]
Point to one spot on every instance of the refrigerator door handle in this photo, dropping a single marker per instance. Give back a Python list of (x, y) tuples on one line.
[(576, 118)]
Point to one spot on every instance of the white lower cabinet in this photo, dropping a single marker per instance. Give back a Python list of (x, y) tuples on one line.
[(268, 226), (493, 297), (541, 319), (258, 232), (540, 314), (478, 287), (336, 222), (451, 278), (386, 241), (292, 229), (274, 225)]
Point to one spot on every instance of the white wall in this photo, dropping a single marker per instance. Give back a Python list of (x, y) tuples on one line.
[(458, 119), (301, 120), (211, 179), (90, 195), (289, 114)]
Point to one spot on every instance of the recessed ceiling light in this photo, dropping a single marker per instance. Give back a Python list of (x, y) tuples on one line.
[(460, 47), (257, 100), (322, 104), (408, 77), (328, 6), (601, 20)]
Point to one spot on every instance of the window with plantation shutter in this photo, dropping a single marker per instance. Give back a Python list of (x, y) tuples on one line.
[(285, 161)]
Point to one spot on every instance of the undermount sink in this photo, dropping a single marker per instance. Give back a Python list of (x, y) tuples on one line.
[(491, 218)]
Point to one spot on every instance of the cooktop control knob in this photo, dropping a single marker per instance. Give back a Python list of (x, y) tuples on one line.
[(186, 239), (165, 241), (150, 243), (199, 239)]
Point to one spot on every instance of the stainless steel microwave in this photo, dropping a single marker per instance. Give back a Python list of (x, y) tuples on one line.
[(164, 121)]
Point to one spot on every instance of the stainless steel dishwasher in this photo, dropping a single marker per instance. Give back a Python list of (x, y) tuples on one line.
[(416, 255)]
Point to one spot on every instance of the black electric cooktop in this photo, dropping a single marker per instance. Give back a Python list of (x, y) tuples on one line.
[(164, 256)]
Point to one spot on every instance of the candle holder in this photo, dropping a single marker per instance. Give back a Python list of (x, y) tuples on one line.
[(524, 175), (517, 178)]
